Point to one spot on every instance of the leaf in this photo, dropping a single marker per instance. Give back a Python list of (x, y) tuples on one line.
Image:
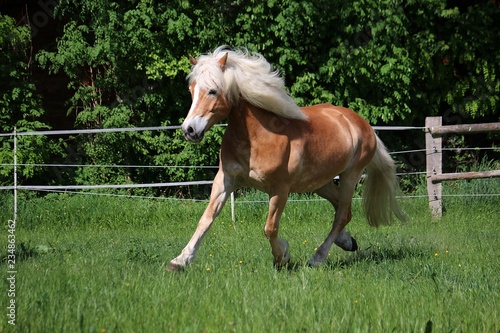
[(385, 69)]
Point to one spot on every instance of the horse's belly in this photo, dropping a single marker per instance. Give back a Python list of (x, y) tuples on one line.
[(311, 182), (310, 169)]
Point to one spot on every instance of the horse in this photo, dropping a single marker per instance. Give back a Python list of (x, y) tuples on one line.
[(273, 145)]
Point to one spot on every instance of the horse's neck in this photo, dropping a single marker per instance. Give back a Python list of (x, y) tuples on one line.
[(247, 126), (239, 120), (246, 120)]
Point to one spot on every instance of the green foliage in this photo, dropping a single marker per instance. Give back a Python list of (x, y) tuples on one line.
[(174, 151), (20, 106), (126, 70), (17, 100), (457, 61), (391, 61)]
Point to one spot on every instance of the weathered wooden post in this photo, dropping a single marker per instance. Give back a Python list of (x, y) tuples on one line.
[(434, 156)]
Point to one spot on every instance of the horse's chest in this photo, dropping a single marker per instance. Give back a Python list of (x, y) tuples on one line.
[(256, 176), (259, 177), (256, 179)]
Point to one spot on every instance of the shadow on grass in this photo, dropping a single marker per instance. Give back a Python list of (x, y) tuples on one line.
[(25, 251), (368, 255), (143, 253)]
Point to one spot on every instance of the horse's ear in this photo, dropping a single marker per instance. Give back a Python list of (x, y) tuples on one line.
[(193, 60), (222, 61)]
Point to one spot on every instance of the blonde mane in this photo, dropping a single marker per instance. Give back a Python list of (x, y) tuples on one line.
[(248, 75)]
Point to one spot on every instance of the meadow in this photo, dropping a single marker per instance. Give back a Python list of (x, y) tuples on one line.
[(89, 263)]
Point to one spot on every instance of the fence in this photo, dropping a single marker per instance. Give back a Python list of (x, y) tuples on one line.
[(434, 176), (433, 144)]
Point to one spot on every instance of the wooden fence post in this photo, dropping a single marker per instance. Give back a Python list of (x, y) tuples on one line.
[(433, 145)]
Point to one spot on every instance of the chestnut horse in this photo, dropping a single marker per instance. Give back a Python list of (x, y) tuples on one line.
[(275, 146)]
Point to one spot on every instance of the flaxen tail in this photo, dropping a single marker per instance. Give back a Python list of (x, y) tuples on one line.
[(380, 187)]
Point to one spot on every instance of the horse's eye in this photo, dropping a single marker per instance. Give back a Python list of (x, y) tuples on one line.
[(212, 92)]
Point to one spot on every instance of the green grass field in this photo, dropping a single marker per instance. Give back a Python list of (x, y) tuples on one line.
[(96, 264)]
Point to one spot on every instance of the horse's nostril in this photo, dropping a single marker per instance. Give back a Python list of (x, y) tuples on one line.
[(190, 130)]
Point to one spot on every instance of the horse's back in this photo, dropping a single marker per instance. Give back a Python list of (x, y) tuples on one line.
[(336, 116), (338, 126)]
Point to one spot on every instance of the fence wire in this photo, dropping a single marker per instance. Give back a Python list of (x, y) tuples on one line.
[(70, 189)]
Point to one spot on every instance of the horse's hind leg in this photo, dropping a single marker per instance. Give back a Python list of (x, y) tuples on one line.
[(331, 192), (343, 215)]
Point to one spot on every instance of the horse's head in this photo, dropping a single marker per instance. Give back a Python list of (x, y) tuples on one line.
[(209, 102)]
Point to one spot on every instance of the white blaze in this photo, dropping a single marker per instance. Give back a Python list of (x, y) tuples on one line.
[(196, 94), (196, 123)]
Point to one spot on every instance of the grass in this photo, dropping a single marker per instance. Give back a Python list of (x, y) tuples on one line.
[(95, 264)]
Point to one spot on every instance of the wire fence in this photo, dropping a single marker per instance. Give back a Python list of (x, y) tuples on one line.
[(76, 189)]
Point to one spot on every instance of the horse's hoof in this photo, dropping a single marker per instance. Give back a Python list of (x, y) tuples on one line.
[(283, 262), (354, 246), (174, 267), (286, 258), (317, 259), (279, 267), (314, 263)]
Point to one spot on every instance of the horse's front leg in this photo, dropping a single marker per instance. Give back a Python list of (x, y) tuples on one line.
[(279, 247), (221, 189)]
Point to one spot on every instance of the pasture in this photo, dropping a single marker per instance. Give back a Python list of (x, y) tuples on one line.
[(96, 264)]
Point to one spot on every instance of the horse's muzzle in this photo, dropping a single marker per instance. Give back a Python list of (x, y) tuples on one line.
[(194, 128), (191, 135)]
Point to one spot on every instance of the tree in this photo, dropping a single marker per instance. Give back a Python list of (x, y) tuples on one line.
[(392, 62), (20, 106), (127, 69)]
